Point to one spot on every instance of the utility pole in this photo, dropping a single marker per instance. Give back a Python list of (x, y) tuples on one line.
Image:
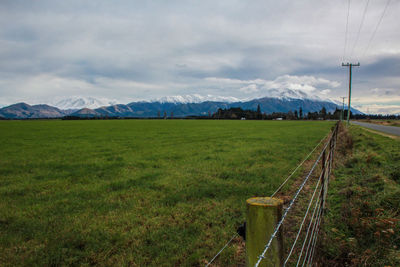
[(342, 113), (350, 65)]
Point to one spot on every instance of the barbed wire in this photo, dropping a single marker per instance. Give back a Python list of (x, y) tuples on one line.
[(313, 237), (267, 246), (309, 256), (315, 242), (298, 166), (304, 219), (276, 191), (219, 252), (317, 207), (262, 255)]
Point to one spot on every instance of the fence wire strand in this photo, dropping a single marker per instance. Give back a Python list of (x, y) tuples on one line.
[(267, 246), (314, 243), (304, 219), (298, 166), (219, 252), (316, 207), (313, 233), (276, 191), (311, 237)]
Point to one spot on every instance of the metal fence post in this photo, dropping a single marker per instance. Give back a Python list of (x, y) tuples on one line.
[(262, 216)]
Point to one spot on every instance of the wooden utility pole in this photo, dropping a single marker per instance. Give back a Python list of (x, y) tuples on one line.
[(342, 114), (350, 65)]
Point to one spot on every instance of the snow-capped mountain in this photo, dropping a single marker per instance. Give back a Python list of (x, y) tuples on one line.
[(195, 98), (273, 100), (79, 102), (271, 93), (291, 94)]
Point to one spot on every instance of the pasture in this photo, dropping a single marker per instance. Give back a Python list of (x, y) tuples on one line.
[(137, 192)]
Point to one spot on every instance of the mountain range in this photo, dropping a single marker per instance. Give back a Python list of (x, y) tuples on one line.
[(179, 106), (79, 102)]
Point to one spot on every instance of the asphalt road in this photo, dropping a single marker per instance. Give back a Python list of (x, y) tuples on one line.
[(382, 128)]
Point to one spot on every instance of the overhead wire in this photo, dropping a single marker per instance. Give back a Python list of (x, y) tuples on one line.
[(376, 28), (347, 29), (359, 29)]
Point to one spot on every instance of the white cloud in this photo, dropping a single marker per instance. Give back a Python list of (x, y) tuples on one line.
[(306, 84), (380, 109), (325, 91), (145, 50), (251, 88), (379, 101), (50, 88)]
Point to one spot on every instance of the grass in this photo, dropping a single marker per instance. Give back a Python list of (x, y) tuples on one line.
[(362, 226), (137, 192), (384, 122)]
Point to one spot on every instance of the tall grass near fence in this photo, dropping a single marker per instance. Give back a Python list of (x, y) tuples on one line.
[(362, 227)]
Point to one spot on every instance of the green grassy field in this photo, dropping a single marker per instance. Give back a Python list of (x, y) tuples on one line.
[(137, 192)]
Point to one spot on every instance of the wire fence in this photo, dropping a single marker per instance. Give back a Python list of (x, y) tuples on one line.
[(306, 253), (302, 249)]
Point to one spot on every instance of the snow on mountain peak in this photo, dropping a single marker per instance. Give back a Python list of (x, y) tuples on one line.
[(195, 98), (78, 102), (290, 94)]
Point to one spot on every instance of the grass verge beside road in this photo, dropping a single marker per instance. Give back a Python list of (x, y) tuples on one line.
[(362, 225), (384, 122)]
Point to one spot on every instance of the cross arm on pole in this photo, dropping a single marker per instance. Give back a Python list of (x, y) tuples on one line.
[(350, 65)]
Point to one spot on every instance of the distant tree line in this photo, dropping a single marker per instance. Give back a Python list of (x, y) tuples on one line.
[(248, 114), (239, 113), (105, 118), (375, 117)]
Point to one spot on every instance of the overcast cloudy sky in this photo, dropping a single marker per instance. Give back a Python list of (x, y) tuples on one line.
[(132, 50)]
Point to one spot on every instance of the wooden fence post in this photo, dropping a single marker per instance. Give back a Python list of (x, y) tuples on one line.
[(262, 216)]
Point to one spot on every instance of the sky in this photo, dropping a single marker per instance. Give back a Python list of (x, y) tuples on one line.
[(142, 50)]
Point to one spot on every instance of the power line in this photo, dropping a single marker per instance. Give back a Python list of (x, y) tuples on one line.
[(347, 28), (359, 29), (377, 26)]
